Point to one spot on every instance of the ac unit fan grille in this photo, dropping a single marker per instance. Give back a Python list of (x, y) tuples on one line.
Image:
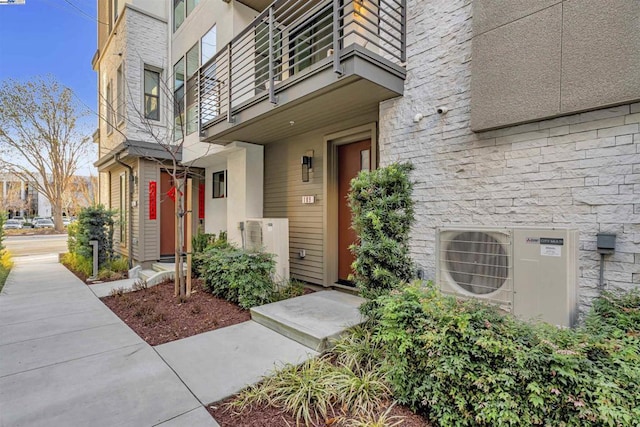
[(477, 262)]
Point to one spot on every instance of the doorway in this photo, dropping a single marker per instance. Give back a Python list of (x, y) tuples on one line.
[(167, 218), (352, 158)]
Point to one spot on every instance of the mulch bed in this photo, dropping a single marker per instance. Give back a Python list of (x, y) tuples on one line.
[(267, 416), (158, 317)]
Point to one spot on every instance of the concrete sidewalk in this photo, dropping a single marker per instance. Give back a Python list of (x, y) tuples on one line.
[(67, 360)]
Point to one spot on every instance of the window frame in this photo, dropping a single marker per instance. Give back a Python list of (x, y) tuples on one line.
[(179, 93), (120, 93), (158, 73), (191, 90), (217, 194), (109, 104)]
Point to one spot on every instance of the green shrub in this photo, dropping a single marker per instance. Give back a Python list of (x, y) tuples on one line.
[(382, 208), (203, 241), (78, 263), (311, 390), (466, 364), (290, 289), (238, 276), (94, 223), (118, 264), (5, 266), (72, 236), (615, 314)]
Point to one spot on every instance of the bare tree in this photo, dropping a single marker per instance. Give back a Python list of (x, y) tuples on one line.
[(171, 140), (80, 193), (39, 137)]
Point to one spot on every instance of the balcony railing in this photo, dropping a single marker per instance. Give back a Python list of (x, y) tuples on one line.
[(288, 39)]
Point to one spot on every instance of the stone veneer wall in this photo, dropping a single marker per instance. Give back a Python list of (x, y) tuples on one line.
[(580, 171)]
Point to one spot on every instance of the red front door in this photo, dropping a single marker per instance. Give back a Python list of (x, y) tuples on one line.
[(352, 158)]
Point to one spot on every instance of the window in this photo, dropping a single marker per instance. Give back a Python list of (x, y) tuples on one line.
[(122, 213), (209, 45), (180, 13), (151, 94), (311, 42), (219, 185), (109, 108), (120, 94), (193, 57), (178, 99)]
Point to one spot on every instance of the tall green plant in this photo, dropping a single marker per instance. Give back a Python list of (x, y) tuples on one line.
[(94, 223), (383, 213)]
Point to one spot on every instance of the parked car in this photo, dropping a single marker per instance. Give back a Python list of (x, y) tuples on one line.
[(12, 224), (19, 218), (66, 220), (43, 223)]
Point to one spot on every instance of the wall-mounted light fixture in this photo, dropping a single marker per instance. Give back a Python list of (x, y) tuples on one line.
[(307, 165)]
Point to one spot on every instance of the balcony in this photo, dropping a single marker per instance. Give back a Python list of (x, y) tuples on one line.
[(301, 65)]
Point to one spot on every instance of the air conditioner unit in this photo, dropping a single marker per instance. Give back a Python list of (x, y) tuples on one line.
[(270, 235), (530, 272)]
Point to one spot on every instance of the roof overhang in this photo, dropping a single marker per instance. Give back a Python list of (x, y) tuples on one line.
[(130, 149)]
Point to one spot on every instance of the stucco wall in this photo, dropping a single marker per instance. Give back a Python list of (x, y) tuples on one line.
[(539, 59), (580, 171)]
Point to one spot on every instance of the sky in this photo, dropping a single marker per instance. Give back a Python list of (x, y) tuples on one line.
[(56, 37)]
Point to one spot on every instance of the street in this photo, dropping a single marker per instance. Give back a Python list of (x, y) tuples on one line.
[(36, 245)]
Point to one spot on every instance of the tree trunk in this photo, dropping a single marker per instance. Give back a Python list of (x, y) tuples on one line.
[(57, 215)]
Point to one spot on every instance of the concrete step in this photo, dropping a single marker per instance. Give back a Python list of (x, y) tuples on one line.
[(313, 320), (166, 266), (146, 274)]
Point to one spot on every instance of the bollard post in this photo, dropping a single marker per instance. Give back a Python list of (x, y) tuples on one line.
[(94, 243)]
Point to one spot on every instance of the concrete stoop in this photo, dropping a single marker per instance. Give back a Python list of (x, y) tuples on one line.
[(312, 320), (160, 271)]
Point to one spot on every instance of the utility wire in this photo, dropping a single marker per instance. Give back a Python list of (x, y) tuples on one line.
[(85, 13)]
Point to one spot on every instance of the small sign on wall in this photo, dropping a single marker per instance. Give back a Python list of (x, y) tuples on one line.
[(308, 200), (153, 199)]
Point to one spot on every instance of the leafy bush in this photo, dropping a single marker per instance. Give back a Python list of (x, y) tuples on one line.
[(466, 364), (94, 223), (615, 314), (310, 390), (72, 236), (382, 208), (78, 263), (114, 269), (238, 276), (5, 266), (290, 289), (203, 241)]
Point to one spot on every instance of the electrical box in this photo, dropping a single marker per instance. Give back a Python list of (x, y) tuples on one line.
[(606, 243)]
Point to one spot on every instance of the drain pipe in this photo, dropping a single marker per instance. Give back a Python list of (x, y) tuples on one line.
[(116, 158)]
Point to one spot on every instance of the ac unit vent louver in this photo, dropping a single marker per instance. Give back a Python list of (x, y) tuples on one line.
[(477, 262)]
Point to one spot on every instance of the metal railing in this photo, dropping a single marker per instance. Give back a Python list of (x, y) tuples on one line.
[(289, 38)]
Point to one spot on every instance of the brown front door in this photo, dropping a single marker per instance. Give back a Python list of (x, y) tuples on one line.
[(352, 158), (167, 217)]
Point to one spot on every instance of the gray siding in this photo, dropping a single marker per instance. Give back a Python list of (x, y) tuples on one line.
[(283, 199), (149, 232)]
